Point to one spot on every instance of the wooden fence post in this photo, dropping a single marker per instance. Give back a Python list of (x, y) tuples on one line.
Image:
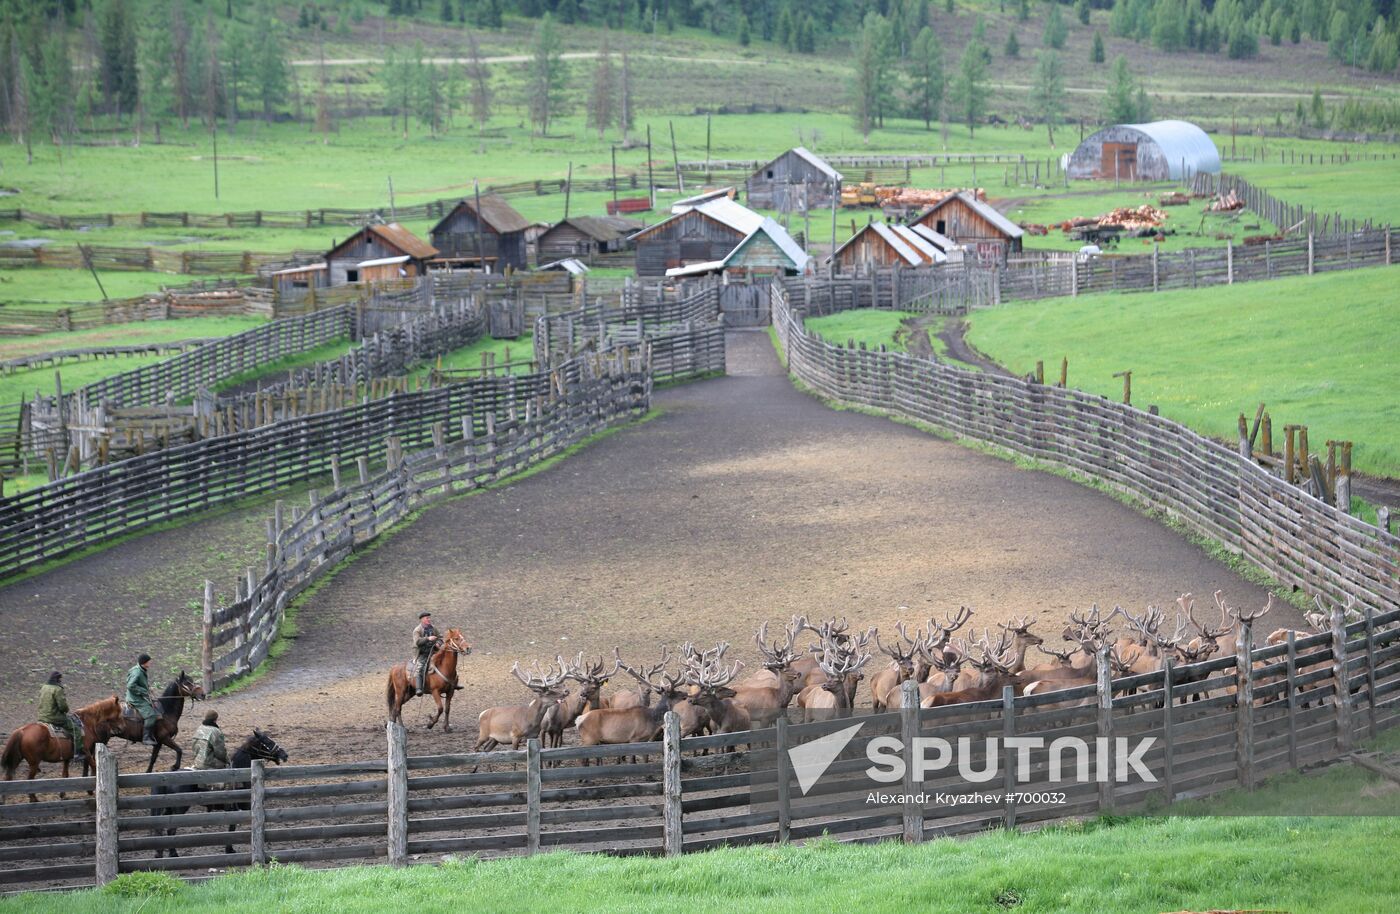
[(672, 827), (1311, 259), (257, 822), (1229, 263), (397, 778), (909, 732), (1008, 755), (1342, 696), (784, 769), (106, 799), (206, 650), (1370, 672), (1244, 705), (1168, 753), (1291, 693), (1105, 732), (532, 796)]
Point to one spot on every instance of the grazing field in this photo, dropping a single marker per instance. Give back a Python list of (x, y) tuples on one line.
[(1135, 866), (1319, 351), (1357, 190), (864, 325), (129, 334), (51, 288)]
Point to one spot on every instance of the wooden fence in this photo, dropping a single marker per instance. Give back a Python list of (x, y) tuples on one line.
[(949, 289), (101, 503), (168, 304), (1292, 536), (1255, 713), (144, 259), (644, 310), (1286, 217)]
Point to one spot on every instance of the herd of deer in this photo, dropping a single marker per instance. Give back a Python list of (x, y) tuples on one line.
[(823, 680)]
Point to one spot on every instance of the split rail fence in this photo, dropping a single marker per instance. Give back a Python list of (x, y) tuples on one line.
[(143, 259), (1227, 722)]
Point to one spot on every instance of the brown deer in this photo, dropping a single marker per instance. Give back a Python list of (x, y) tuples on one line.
[(615, 726), (903, 666), (591, 678), (516, 723), (992, 672), (710, 678), (766, 678), (841, 661), (763, 703)]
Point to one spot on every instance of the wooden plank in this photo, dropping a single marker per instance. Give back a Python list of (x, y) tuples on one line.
[(671, 785), (397, 777), (107, 856)]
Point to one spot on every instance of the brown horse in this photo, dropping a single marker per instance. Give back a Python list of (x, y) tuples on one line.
[(33, 743), (442, 680), (169, 706)]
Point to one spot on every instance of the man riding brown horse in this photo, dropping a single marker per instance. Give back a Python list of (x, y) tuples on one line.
[(138, 696), (425, 641), (441, 679), (53, 710)]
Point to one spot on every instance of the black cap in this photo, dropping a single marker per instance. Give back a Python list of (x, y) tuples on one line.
[(144, 658), (424, 614), (54, 677)]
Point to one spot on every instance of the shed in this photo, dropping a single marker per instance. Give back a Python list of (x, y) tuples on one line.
[(717, 234), (307, 276), (1159, 151), (880, 244), (371, 248), (965, 220), (797, 178), (499, 228), (586, 236)]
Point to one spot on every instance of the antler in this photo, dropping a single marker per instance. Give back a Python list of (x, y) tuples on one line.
[(1245, 616), (1019, 625), (1062, 656), (1213, 633), (839, 661), (707, 669), (644, 676), (779, 654), (587, 671), (537, 679)]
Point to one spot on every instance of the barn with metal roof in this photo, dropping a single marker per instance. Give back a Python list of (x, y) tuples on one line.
[(1159, 151)]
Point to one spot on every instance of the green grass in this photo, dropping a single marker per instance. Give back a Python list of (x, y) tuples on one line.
[(324, 352), (1358, 190), (872, 327), (1319, 351), (517, 350), (1136, 866), (126, 335), (48, 288)]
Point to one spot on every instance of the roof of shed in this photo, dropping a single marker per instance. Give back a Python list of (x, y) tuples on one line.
[(396, 237), (982, 208), (601, 228), (495, 212), (811, 158), (910, 247)]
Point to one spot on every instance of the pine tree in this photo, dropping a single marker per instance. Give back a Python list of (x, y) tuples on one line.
[(600, 100), (1096, 55), (626, 113), (783, 34), (1023, 10), (871, 86), (120, 78), (1142, 106), (807, 35), (1013, 47), (1056, 31), (547, 75), (969, 89), (1319, 113), (926, 76), (567, 12), (1081, 10), (1120, 107), (1048, 92), (745, 38)]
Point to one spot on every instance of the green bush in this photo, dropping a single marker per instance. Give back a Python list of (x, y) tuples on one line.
[(144, 885)]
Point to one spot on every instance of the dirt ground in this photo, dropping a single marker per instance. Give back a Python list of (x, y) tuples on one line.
[(744, 500)]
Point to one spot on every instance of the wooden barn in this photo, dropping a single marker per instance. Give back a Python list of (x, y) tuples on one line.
[(498, 229), (796, 179), (883, 245), (378, 252), (1160, 151), (965, 220), (292, 279), (585, 237), (716, 235)]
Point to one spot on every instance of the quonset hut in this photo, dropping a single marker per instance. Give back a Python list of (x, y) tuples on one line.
[(1159, 151)]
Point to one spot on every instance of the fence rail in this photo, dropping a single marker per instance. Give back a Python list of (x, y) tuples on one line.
[(143, 259), (1223, 723)]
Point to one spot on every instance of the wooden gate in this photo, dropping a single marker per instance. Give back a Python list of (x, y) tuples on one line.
[(744, 305)]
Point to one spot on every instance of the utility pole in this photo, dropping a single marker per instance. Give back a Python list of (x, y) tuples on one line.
[(835, 197), (393, 212), (480, 247), (651, 182), (215, 133), (568, 189), (675, 159)]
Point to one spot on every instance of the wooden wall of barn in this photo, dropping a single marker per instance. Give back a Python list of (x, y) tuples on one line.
[(457, 237), (868, 248), (365, 247), (780, 184), (965, 225), (692, 238)]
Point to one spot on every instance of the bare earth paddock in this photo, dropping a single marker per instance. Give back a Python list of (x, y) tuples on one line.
[(744, 500)]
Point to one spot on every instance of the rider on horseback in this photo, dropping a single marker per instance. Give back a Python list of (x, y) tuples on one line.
[(138, 696), (53, 710), (209, 748), (425, 641)]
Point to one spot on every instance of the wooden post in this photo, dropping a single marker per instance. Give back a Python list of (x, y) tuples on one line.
[(1105, 731), (913, 832), (1370, 673), (1229, 263), (1244, 705), (1168, 752), (397, 778), (784, 769), (532, 796), (1289, 431), (1008, 755), (1291, 693), (1342, 697), (1245, 449), (1311, 261), (257, 823), (1154, 267), (672, 827), (206, 650), (1064, 372), (106, 800)]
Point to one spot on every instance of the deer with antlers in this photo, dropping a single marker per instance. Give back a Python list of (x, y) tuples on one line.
[(841, 660), (614, 726), (709, 677), (764, 702), (904, 665), (992, 671), (591, 676), (516, 723)]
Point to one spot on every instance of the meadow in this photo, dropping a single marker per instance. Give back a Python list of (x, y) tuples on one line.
[(1318, 350)]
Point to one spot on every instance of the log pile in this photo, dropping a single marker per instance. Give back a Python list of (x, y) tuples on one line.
[(1128, 219), (919, 197), (1227, 202)]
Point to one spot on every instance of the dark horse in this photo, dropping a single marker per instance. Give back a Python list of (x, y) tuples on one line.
[(442, 680), (33, 743), (169, 706), (257, 746)]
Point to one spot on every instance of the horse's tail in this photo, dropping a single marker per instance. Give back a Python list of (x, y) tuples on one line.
[(389, 693), (12, 755)]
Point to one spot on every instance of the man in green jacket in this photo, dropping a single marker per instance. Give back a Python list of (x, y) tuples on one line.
[(209, 748), (138, 695), (53, 709)]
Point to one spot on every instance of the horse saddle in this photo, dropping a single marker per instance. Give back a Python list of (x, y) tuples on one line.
[(131, 714), (57, 732)]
